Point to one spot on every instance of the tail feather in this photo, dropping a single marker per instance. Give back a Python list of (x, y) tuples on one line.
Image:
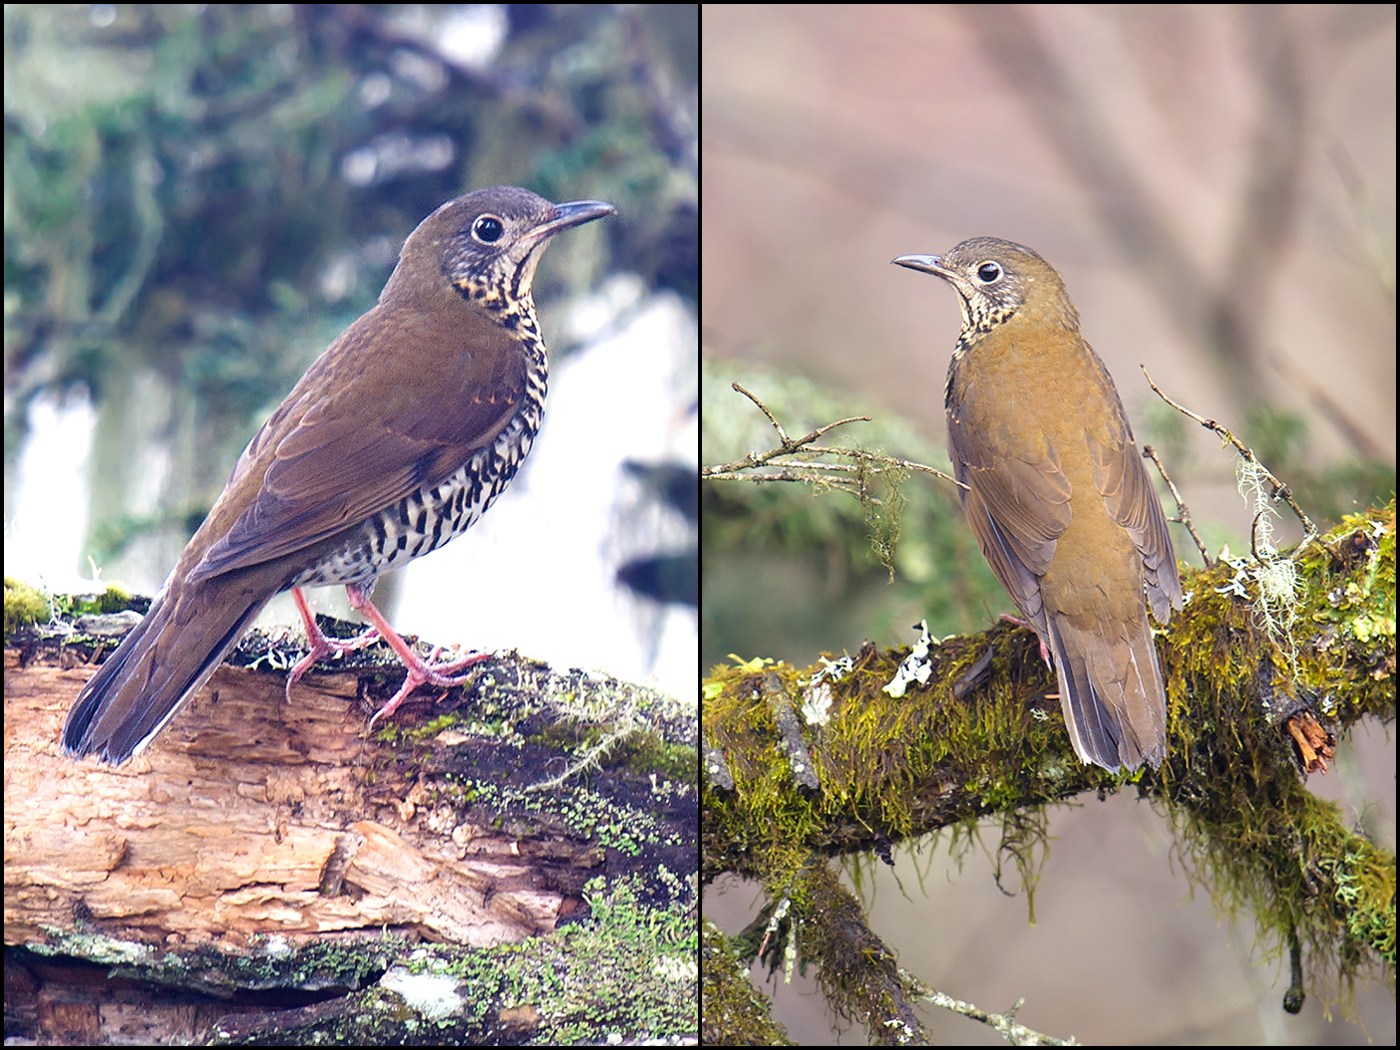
[(1112, 695), (160, 665)]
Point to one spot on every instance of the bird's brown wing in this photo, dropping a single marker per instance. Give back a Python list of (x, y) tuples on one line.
[(1017, 508), (1122, 480), (1104, 654), (322, 465)]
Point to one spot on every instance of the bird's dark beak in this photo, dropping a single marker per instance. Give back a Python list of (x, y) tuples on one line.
[(925, 263), (571, 213)]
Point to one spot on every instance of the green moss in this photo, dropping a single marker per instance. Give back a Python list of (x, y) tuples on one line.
[(113, 599), (24, 605), (1248, 829), (732, 1013)]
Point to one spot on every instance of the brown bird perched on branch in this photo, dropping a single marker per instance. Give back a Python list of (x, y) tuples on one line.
[(397, 438), (1057, 494)]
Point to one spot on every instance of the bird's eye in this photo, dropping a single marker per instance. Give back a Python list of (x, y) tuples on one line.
[(488, 229), (988, 272)]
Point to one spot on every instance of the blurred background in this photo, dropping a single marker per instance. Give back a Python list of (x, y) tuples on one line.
[(1216, 185), (199, 198)]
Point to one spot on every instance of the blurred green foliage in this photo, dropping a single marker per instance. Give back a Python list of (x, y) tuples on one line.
[(789, 570)]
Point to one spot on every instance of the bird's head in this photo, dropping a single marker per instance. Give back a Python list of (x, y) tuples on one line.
[(488, 243), (997, 280)]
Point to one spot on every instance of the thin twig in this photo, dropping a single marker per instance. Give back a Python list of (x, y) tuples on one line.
[(1012, 1030), (788, 443), (1183, 511), (743, 469), (1281, 491)]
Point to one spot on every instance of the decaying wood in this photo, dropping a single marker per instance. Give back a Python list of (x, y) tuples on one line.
[(256, 822), (252, 815)]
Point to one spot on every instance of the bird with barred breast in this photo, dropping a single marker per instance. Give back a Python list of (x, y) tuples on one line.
[(1057, 494), (397, 438)]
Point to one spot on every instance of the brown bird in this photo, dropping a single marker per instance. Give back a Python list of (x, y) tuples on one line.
[(1057, 494), (397, 438)]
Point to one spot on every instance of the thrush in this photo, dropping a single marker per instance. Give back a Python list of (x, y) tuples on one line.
[(397, 438), (1057, 494)]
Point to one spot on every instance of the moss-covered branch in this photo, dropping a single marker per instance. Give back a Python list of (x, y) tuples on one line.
[(966, 745)]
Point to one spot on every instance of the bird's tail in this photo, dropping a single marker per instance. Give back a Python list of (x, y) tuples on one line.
[(1111, 694), (160, 664)]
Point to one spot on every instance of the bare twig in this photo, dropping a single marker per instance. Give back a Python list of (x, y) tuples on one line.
[(1280, 490), (805, 470), (1183, 511), (1012, 1031)]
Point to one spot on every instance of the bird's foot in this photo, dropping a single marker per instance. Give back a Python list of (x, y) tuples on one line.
[(319, 644), (421, 672), (1044, 649)]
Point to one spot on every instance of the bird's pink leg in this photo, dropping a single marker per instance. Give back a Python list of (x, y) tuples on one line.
[(320, 645)]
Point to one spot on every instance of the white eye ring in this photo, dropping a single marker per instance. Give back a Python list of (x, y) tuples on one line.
[(992, 277)]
